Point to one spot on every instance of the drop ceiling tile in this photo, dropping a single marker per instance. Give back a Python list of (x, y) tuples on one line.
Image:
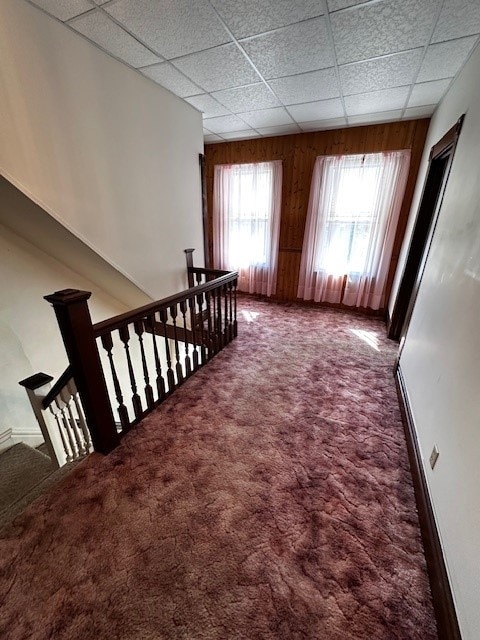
[(171, 79), (96, 26), (212, 138), (206, 132), (283, 130), (321, 125), (379, 28), (376, 101), (336, 5), (208, 106), (267, 117), (248, 17), (224, 124), (427, 93), (100, 2), (279, 53), (458, 18), (307, 87), (64, 9), (419, 112), (445, 59), (322, 110), (219, 68), (240, 135), (171, 28), (375, 118), (253, 96), (394, 70)]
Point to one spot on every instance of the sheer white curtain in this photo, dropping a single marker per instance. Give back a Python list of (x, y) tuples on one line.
[(246, 222), (353, 211)]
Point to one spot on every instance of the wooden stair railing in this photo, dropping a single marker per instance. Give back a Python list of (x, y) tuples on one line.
[(125, 366)]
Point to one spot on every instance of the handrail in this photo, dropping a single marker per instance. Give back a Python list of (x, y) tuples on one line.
[(101, 328), (123, 367), (57, 387)]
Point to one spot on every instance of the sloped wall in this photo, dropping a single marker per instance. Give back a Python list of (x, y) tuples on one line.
[(108, 153)]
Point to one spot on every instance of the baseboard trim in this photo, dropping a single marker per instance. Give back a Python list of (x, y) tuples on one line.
[(445, 614)]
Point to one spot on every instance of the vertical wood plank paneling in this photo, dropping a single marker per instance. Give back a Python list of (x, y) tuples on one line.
[(298, 153)]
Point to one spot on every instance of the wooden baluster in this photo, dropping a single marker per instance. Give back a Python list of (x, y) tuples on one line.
[(188, 363), (81, 418), (138, 325), (158, 367), (211, 341), (66, 396), (225, 315), (64, 421), (170, 374), (193, 324), (198, 278), (218, 295), (124, 334), (56, 415), (178, 365), (107, 344), (204, 338), (235, 326)]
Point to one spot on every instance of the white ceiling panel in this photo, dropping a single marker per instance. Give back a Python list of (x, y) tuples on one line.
[(170, 78), (208, 106), (278, 66), (394, 70), (336, 5), (319, 125), (249, 98), (368, 118), (307, 87), (248, 17), (419, 112), (63, 9), (322, 110), (376, 101), (240, 135), (458, 18), (267, 117), (171, 28), (427, 93), (219, 68), (279, 53), (379, 28), (282, 130), (445, 59), (224, 124), (98, 27)]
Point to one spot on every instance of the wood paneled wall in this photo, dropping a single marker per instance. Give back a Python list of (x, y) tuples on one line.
[(298, 153)]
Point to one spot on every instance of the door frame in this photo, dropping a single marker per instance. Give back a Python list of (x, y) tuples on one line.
[(439, 166)]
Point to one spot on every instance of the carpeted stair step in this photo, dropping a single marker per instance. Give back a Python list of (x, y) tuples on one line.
[(25, 473)]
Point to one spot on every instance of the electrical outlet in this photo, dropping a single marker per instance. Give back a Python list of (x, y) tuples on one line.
[(434, 456)]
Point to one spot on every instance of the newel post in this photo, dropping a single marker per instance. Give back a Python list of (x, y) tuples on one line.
[(73, 316), (189, 258)]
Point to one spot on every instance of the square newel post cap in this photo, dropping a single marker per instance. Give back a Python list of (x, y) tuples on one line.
[(189, 250), (68, 296), (36, 381)]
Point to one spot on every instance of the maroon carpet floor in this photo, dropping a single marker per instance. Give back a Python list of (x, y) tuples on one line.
[(270, 497)]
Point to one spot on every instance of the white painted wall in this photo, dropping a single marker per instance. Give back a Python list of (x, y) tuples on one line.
[(441, 356), (108, 153), (30, 340)]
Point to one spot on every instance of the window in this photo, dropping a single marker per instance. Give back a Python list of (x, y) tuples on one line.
[(246, 212), (352, 217)]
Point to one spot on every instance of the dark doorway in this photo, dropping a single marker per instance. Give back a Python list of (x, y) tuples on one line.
[(441, 157)]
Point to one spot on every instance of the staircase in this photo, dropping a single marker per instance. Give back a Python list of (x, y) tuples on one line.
[(25, 473)]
